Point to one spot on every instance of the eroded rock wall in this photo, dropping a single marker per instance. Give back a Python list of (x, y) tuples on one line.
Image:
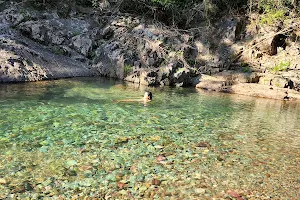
[(88, 42), (32, 47)]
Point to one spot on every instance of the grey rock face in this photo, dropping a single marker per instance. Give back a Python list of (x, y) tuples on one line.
[(17, 69), (45, 32), (83, 44), (109, 60), (54, 30), (22, 59)]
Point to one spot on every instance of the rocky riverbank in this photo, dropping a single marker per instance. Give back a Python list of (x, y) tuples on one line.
[(49, 44)]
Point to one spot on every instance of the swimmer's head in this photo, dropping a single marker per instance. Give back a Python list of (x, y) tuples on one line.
[(148, 96)]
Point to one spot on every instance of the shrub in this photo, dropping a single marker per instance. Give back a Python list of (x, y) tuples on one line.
[(180, 13), (272, 16), (274, 10), (283, 66), (127, 69), (245, 67)]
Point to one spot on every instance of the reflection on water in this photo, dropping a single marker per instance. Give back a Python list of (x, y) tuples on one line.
[(70, 137)]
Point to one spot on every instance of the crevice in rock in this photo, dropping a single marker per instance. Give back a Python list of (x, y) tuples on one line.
[(278, 41)]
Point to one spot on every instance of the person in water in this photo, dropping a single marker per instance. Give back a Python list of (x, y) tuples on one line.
[(147, 98)]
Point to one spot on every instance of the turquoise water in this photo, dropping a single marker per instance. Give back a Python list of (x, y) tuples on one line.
[(72, 139)]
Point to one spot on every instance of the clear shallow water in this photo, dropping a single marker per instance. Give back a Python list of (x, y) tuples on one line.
[(70, 138)]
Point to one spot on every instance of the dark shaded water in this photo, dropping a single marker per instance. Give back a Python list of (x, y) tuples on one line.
[(70, 138)]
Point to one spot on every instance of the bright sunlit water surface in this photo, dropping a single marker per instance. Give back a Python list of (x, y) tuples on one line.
[(72, 138)]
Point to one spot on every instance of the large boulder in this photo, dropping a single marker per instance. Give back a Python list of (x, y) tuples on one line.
[(182, 77), (14, 68), (225, 79), (174, 74)]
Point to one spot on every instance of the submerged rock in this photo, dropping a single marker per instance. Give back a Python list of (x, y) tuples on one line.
[(3, 181), (203, 144)]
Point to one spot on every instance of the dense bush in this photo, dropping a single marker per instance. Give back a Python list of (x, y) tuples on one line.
[(265, 5), (180, 13), (278, 10), (185, 13)]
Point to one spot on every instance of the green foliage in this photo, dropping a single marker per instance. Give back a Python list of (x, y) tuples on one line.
[(127, 69), (180, 69), (245, 67), (271, 16), (58, 51), (270, 5), (26, 15), (281, 67), (95, 3), (191, 62), (91, 55), (179, 53), (274, 10)]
